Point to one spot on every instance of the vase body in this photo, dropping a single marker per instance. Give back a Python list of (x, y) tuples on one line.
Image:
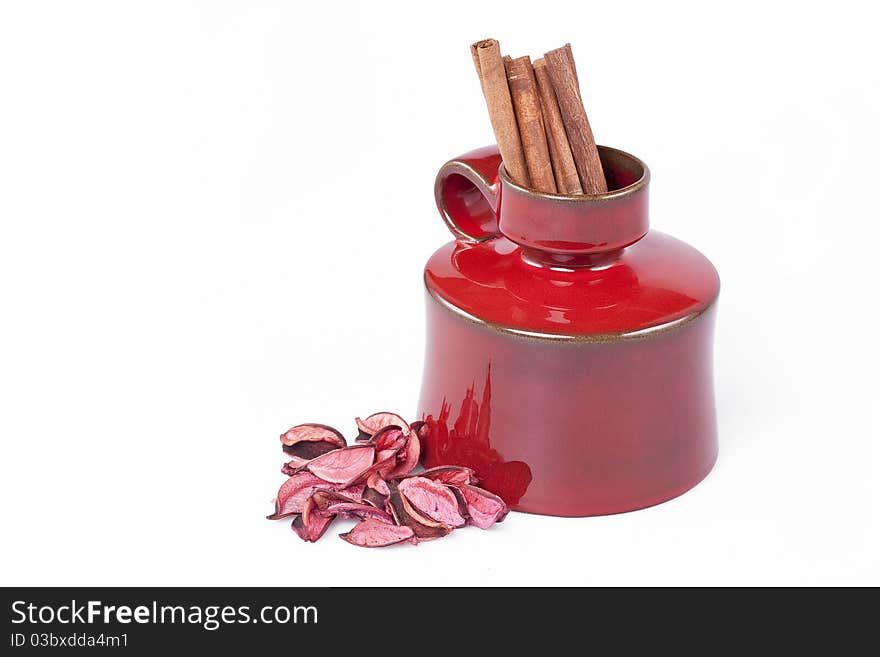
[(569, 348)]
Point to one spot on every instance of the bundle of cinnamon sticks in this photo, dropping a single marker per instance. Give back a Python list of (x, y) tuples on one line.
[(539, 120)]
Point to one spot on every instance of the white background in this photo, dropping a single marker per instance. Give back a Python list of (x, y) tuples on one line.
[(214, 221)]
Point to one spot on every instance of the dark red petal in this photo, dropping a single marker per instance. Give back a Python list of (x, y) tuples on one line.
[(374, 497), (449, 474), (380, 468), (311, 432), (355, 491), (375, 533), (432, 499), (373, 423), (387, 443), (315, 528), (423, 519), (308, 451), (333, 503), (342, 465), (404, 514), (293, 466), (293, 494), (385, 454), (391, 437), (322, 500), (376, 482), (484, 508), (308, 441), (309, 511), (462, 503), (409, 457)]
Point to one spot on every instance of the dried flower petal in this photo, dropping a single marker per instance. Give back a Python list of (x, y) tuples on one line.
[(423, 519), (449, 474), (309, 511), (312, 530), (385, 454), (293, 494), (308, 441), (307, 451), (408, 458), (462, 503), (373, 423), (293, 466), (388, 442), (390, 438), (378, 483), (404, 514), (375, 533), (333, 503), (312, 432), (383, 465), (374, 497), (355, 491), (342, 465), (432, 499), (484, 509)]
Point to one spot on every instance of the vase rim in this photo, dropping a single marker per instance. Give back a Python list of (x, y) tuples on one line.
[(583, 199)]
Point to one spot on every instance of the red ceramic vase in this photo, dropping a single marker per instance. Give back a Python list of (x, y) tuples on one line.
[(569, 348)]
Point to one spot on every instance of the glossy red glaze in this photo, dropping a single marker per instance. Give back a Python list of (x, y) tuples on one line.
[(573, 374), (548, 226)]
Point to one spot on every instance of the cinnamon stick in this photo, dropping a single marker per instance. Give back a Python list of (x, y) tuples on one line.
[(527, 106), (563, 75), (567, 50), (567, 181), (493, 80)]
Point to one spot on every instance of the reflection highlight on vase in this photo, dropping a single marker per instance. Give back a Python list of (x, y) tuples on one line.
[(466, 441)]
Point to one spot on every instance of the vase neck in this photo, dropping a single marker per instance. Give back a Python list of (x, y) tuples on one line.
[(578, 231), (564, 261)]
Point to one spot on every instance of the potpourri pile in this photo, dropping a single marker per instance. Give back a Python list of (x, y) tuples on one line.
[(373, 481)]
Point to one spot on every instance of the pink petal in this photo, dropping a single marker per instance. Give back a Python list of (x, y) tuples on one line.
[(312, 432), (383, 465), (390, 439), (377, 421), (409, 457), (332, 503), (293, 494), (432, 499), (449, 474), (375, 533), (484, 508), (312, 530), (423, 527), (355, 491), (376, 482), (308, 441), (294, 465), (342, 465)]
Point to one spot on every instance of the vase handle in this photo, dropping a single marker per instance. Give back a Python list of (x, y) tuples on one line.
[(466, 191)]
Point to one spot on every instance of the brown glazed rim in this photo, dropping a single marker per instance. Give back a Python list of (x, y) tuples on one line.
[(579, 199), (569, 338)]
